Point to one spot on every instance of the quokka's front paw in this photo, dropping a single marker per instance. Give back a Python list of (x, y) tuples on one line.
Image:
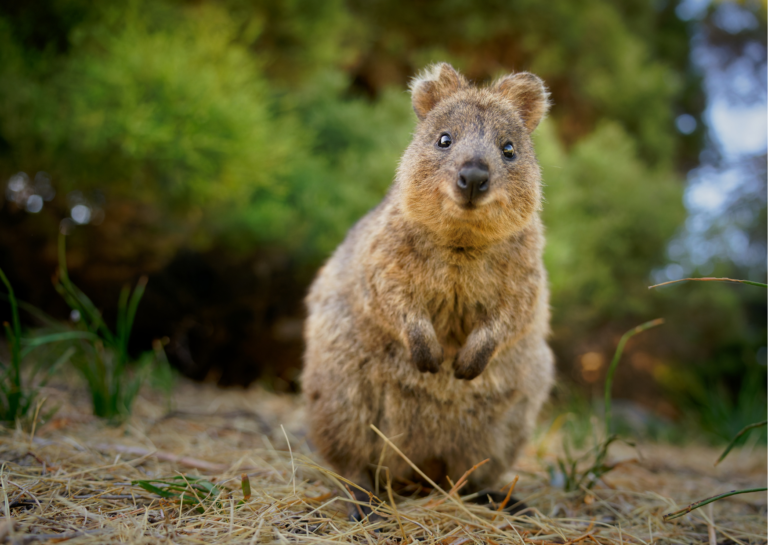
[(426, 352), (473, 358)]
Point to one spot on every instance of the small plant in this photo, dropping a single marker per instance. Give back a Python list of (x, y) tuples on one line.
[(100, 356), (19, 400), (586, 471), (569, 467), (104, 360), (705, 501), (701, 503), (187, 490), (245, 484), (163, 376), (738, 436), (15, 402)]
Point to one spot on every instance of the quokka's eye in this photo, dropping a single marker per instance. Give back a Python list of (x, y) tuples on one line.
[(508, 150), (444, 141)]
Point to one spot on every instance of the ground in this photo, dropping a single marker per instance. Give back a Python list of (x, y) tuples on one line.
[(70, 480)]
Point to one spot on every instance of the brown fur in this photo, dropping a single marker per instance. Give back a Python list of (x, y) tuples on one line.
[(430, 320)]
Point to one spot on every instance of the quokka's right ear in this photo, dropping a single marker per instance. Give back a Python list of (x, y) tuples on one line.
[(434, 84)]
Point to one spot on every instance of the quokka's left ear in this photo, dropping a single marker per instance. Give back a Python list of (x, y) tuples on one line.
[(528, 94)]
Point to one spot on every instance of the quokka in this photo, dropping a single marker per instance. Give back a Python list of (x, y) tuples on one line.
[(430, 320)]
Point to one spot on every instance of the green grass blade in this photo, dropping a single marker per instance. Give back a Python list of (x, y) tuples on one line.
[(91, 314), (206, 486), (79, 300), (12, 379), (178, 487), (711, 279), (14, 306), (130, 388), (149, 487), (246, 486), (29, 397), (65, 287), (738, 435), (13, 332), (72, 302), (40, 366), (4, 384), (706, 501), (34, 342), (133, 305), (120, 326), (199, 483), (612, 369), (41, 316), (64, 358)]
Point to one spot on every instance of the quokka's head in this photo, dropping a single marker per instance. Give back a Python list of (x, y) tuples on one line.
[(470, 174)]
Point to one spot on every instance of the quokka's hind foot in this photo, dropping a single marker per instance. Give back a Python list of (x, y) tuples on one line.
[(363, 508), (494, 499)]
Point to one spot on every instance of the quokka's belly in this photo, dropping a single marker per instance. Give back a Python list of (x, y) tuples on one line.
[(449, 435)]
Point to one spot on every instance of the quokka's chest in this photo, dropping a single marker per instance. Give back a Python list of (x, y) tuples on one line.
[(461, 302)]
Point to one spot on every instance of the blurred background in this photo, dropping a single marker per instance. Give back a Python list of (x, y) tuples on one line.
[(224, 148)]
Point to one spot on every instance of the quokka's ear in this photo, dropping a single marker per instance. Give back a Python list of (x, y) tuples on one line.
[(529, 95), (434, 84)]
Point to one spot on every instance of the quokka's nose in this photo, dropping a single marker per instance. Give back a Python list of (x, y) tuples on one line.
[(473, 180)]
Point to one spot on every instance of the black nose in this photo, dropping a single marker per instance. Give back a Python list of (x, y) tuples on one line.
[(473, 180)]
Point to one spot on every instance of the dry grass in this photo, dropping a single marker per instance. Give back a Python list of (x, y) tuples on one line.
[(71, 482)]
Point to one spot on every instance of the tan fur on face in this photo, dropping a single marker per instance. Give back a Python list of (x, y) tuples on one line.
[(427, 175), (430, 320)]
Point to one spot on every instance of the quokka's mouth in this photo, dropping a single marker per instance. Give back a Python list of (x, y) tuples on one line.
[(470, 205), (461, 206)]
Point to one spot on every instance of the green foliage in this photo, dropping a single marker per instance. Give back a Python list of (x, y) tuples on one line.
[(198, 131), (162, 376), (623, 61), (608, 217), (190, 126), (352, 150), (585, 471), (14, 402), (732, 442), (738, 436), (615, 362), (724, 392), (243, 130), (17, 399), (103, 361), (100, 355), (714, 407), (186, 489), (298, 38)]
